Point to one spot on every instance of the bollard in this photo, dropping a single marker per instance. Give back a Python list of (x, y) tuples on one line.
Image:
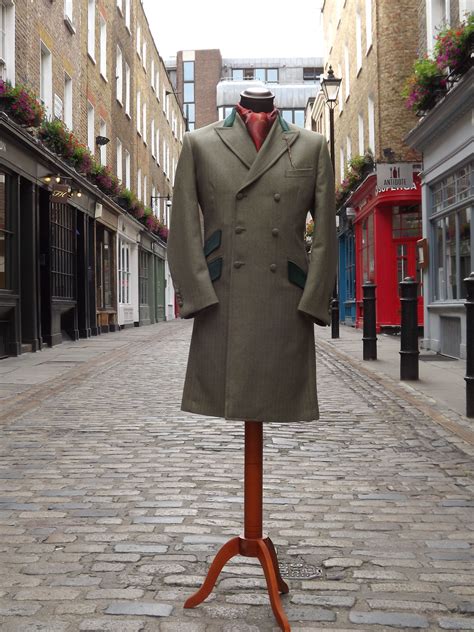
[(335, 314), (469, 304), (369, 338), (409, 329)]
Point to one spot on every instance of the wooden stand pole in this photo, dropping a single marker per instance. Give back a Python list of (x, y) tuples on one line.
[(252, 544)]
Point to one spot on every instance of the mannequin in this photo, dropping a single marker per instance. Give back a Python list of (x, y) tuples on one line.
[(257, 99)]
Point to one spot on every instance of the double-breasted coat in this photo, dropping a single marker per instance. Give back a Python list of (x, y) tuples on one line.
[(242, 271)]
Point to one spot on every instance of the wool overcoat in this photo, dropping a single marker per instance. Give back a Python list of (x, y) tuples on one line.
[(242, 272)]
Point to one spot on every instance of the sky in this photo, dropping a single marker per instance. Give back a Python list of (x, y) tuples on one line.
[(238, 31)]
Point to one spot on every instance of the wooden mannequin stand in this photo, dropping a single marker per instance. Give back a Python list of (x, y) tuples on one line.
[(252, 544)]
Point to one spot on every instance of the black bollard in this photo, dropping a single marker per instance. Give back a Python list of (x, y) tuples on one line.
[(469, 304), (409, 329), (369, 338), (335, 313)]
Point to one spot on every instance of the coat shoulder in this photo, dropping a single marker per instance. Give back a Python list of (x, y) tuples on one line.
[(309, 136), (197, 135)]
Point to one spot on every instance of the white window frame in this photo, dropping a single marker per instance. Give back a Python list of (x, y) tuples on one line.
[(119, 159), (103, 148), (371, 124), (124, 272), (358, 29), (46, 79), (144, 53), (145, 191), (153, 138), (157, 149), (347, 78), (348, 148), (157, 84), (153, 200), (342, 163), (152, 74), (91, 11), (438, 14), (69, 10), (368, 25), (139, 40), (139, 112), (127, 90), (68, 100), (144, 124), (139, 184), (91, 127), (360, 120), (119, 75), (7, 42), (120, 6), (127, 15), (103, 47), (128, 174), (341, 91)]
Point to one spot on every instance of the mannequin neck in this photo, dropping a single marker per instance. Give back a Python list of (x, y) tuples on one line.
[(264, 104)]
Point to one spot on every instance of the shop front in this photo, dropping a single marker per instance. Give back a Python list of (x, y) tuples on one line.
[(106, 269), (387, 226), (128, 238)]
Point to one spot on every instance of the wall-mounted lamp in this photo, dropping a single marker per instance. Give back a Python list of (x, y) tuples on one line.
[(50, 177), (101, 140)]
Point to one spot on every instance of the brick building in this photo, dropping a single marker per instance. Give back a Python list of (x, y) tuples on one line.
[(444, 135), (371, 46), (209, 86), (95, 66)]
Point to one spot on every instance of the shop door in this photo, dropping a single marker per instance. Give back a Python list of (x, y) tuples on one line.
[(160, 289), (408, 266)]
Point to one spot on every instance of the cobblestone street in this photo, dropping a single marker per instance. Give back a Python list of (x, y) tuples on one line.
[(113, 502)]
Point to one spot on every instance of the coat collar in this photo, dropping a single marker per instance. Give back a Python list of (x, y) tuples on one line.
[(234, 134)]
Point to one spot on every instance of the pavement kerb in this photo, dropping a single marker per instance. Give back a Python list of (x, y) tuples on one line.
[(19, 404), (419, 400)]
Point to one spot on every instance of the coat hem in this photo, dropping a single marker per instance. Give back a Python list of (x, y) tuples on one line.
[(192, 407)]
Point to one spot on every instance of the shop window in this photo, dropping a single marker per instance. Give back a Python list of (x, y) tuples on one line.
[(406, 222), (124, 273), (350, 267), (63, 251), (5, 235), (367, 250), (105, 268), (143, 277)]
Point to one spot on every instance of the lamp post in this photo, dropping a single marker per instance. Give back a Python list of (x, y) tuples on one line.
[(330, 86)]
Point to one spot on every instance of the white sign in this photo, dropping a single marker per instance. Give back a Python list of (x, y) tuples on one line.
[(395, 175)]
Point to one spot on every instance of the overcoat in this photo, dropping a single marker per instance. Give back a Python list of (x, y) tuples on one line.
[(242, 272)]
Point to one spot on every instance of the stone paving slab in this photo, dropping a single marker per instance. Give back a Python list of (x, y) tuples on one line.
[(113, 502)]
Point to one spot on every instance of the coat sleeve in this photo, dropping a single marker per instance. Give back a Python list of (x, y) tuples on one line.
[(316, 298), (189, 271)]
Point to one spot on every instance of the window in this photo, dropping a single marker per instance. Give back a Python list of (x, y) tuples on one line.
[(237, 74), (91, 28), (346, 72), (350, 267), (292, 116), (144, 54), (165, 147), (349, 148), (63, 251), (358, 42), (437, 16), (103, 148), (153, 200), (361, 135), (124, 273), (68, 101), (103, 47), (368, 24), (259, 74), (7, 40), (139, 40), (157, 148), (367, 250), (90, 127), (145, 189), (127, 89), (406, 222), (152, 74), (105, 267), (188, 71), (68, 10), (272, 75), (143, 260), (153, 139), (128, 180), (118, 75), (46, 79), (139, 110), (188, 92), (5, 235), (371, 114), (144, 130), (127, 14), (341, 96), (342, 164), (311, 75), (119, 159), (139, 184), (120, 5)]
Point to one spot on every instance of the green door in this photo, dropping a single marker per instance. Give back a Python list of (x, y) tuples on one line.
[(160, 289)]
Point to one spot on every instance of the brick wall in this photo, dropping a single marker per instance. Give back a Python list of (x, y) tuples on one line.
[(208, 67)]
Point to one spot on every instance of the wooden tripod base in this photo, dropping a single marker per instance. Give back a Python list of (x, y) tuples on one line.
[(252, 544), (263, 549)]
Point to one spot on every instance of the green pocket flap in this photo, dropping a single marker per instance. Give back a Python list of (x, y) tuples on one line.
[(212, 243), (215, 268), (296, 275), (299, 173)]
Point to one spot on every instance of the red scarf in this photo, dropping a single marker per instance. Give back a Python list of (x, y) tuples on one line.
[(258, 124)]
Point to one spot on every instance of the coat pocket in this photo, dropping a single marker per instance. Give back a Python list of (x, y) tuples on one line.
[(215, 268), (296, 275), (212, 243), (305, 172)]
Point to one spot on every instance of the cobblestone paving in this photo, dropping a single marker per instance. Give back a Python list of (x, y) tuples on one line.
[(113, 502)]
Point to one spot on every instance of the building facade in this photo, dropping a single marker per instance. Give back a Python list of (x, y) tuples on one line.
[(371, 46), (209, 86), (73, 261), (445, 136)]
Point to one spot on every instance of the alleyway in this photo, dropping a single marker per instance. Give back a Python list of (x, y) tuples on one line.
[(113, 501)]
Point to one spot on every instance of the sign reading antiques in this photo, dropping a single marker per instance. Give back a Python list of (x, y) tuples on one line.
[(395, 175)]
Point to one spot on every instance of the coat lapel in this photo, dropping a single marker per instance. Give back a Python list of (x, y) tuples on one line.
[(234, 134)]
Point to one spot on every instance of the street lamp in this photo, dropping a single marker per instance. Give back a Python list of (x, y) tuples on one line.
[(169, 203), (330, 86)]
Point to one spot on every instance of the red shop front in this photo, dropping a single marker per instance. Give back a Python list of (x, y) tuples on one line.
[(387, 225)]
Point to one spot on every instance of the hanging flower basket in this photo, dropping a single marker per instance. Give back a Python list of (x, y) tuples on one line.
[(21, 104)]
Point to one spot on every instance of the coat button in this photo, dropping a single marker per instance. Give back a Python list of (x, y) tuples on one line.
[(275, 232), (239, 195), (238, 264), (273, 267), (239, 229), (277, 197)]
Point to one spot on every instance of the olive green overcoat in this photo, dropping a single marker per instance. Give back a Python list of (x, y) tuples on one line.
[(247, 281)]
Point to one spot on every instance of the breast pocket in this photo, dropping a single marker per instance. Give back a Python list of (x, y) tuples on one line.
[(305, 172)]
